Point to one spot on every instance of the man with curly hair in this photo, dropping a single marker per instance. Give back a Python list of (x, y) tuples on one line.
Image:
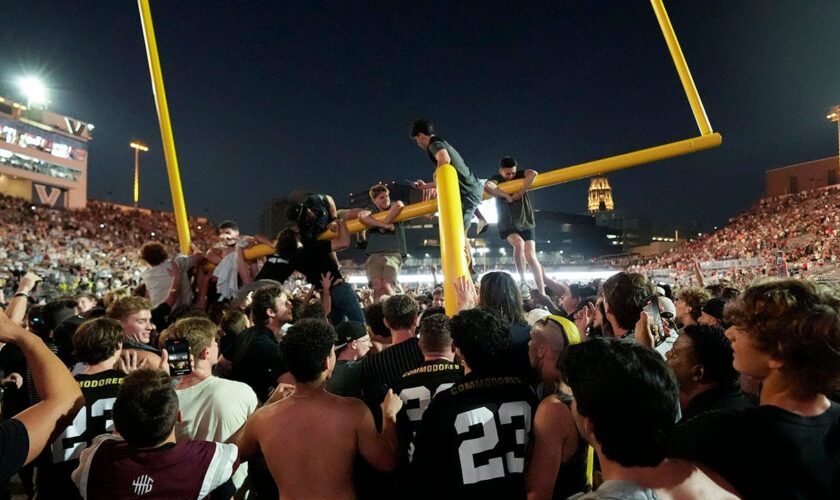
[(689, 303), (786, 334), (475, 434)]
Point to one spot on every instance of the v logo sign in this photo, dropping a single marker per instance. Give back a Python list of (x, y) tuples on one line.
[(45, 198)]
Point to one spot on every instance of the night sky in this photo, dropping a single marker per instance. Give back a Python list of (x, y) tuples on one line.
[(267, 97)]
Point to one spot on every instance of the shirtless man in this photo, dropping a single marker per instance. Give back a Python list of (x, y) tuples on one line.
[(312, 431)]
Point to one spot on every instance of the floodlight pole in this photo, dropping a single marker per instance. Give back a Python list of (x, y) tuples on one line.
[(137, 146)]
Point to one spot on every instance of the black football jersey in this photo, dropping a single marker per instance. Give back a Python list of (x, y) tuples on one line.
[(62, 456), (473, 439), (416, 388)]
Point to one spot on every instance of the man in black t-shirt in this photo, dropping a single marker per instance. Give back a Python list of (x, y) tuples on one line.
[(380, 371), (474, 436), (255, 354), (98, 344), (314, 215), (516, 218), (417, 387), (315, 259)]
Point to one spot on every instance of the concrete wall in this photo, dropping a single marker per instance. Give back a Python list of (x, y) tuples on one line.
[(17, 187), (802, 177)]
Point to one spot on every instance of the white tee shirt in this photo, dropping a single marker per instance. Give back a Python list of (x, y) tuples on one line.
[(213, 410), (158, 280)]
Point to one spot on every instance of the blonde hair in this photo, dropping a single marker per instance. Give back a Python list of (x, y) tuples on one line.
[(199, 332)]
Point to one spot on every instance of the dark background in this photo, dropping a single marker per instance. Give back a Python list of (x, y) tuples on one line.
[(267, 97)]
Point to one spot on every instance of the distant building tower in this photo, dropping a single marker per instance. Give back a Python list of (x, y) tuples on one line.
[(600, 195)]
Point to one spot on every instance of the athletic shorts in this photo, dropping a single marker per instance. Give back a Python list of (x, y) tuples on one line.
[(526, 234), (384, 266)]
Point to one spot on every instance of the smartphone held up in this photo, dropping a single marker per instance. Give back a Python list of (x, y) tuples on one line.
[(179, 357), (651, 307)]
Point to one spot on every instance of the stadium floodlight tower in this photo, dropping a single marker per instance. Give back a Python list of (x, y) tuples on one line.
[(834, 115), (137, 146), (34, 90)]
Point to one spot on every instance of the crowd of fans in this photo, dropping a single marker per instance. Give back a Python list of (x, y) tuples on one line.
[(786, 235), (92, 250), (213, 376)]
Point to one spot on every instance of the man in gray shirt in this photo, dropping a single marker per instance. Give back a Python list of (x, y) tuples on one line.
[(442, 153), (385, 242), (516, 218)]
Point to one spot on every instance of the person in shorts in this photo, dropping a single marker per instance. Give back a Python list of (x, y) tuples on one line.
[(516, 218), (385, 242)]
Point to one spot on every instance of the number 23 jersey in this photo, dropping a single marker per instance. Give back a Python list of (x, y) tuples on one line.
[(473, 439)]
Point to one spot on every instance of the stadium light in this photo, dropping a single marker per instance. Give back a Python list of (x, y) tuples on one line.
[(137, 146), (34, 90)]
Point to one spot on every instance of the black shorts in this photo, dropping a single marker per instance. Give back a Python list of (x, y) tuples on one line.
[(526, 234)]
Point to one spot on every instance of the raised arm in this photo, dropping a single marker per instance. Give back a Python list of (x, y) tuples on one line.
[(558, 288), (698, 274), (17, 306), (545, 300), (379, 449), (175, 287), (60, 395), (420, 184), (326, 298)]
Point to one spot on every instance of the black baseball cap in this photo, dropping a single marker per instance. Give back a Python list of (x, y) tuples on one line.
[(348, 331)]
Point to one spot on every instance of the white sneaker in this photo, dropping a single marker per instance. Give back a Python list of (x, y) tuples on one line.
[(481, 227)]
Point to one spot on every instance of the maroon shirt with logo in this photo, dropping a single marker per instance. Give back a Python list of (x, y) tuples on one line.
[(111, 469)]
